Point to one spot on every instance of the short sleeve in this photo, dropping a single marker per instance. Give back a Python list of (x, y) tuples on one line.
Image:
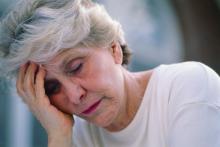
[(195, 125), (194, 82), (194, 107)]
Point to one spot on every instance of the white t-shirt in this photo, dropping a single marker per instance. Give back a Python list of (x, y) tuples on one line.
[(180, 108)]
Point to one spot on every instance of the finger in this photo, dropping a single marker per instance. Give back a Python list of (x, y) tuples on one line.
[(29, 81), (20, 80), (39, 86)]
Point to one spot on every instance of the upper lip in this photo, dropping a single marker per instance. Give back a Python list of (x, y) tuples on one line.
[(90, 107)]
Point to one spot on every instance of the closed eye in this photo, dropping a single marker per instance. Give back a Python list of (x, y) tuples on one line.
[(75, 69)]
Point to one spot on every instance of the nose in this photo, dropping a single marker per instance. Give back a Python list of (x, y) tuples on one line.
[(74, 92)]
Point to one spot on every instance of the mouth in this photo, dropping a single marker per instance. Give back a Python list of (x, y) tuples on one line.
[(92, 108)]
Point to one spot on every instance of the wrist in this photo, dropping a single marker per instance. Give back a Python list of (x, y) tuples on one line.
[(60, 139)]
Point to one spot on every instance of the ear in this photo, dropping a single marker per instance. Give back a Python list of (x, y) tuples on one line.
[(116, 52)]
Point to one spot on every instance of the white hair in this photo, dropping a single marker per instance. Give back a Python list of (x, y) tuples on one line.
[(37, 30)]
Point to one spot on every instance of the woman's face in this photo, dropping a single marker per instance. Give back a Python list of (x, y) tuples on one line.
[(87, 82)]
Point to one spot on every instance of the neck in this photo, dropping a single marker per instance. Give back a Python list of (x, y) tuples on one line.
[(134, 88)]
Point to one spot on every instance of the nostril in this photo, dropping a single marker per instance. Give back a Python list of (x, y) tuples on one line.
[(83, 94), (75, 93), (82, 97)]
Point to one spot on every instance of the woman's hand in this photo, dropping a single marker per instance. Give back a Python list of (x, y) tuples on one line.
[(30, 86)]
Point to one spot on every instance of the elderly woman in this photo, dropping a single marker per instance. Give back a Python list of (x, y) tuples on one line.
[(70, 59)]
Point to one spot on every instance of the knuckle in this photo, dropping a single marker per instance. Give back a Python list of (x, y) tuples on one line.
[(20, 92)]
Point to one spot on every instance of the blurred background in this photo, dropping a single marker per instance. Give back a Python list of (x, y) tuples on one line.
[(157, 31)]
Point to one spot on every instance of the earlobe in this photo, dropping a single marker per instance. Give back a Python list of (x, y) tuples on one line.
[(117, 52)]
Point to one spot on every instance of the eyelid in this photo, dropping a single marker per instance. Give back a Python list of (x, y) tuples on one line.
[(73, 66)]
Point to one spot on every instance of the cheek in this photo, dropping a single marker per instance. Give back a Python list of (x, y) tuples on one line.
[(102, 76), (60, 103), (100, 83)]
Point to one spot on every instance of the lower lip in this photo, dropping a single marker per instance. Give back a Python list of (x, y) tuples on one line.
[(92, 108)]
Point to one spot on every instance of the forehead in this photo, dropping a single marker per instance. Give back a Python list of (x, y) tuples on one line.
[(66, 55)]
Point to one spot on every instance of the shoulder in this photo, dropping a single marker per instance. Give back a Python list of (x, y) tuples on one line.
[(188, 70), (190, 73), (190, 82)]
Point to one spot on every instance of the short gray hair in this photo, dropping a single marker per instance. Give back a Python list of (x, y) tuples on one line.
[(37, 30)]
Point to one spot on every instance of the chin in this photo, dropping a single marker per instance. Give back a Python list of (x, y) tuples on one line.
[(105, 119)]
